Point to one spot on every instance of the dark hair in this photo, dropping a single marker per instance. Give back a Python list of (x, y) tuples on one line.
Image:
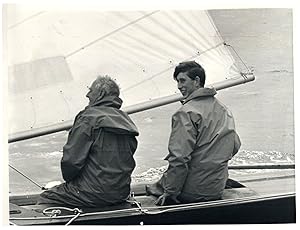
[(192, 69)]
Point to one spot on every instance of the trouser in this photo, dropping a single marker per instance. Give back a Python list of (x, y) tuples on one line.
[(188, 198), (60, 195), (157, 190)]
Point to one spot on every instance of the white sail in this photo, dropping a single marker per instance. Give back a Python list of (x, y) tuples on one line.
[(54, 56)]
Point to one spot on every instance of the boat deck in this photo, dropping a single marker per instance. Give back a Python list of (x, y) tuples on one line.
[(268, 182), (266, 198)]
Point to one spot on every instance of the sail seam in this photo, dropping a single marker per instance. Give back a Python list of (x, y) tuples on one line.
[(165, 70), (24, 20), (110, 33)]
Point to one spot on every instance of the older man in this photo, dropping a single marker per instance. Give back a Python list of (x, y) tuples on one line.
[(98, 158), (202, 141)]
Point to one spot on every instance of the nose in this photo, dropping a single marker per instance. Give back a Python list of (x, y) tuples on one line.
[(179, 85), (88, 93)]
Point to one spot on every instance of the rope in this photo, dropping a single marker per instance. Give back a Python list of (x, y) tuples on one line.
[(12, 224), (169, 208), (138, 204), (74, 218), (221, 38), (54, 211), (143, 211), (28, 178), (249, 71), (182, 207)]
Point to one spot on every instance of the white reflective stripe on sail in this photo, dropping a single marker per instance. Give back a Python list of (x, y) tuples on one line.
[(138, 49)]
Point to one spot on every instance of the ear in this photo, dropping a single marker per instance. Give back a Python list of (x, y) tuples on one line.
[(197, 81)]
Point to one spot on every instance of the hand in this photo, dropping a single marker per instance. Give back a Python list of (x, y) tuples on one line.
[(162, 199), (51, 184)]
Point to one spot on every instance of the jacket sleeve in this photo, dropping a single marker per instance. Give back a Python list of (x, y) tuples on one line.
[(181, 144), (237, 144), (76, 150)]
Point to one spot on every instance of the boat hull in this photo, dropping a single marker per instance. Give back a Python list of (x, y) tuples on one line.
[(270, 211), (240, 205)]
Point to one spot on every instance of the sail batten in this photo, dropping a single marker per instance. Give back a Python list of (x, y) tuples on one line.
[(55, 56)]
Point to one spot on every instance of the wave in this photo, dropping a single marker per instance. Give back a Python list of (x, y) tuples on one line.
[(248, 157), (31, 162), (30, 155), (243, 157), (279, 71)]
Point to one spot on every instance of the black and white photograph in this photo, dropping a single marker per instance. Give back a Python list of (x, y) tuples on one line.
[(148, 115)]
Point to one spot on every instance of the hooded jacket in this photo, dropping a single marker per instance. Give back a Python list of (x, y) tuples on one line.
[(98, 158), (202, 141)]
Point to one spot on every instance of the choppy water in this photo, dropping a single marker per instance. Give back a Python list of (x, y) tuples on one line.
[(263, 110), (44, 166)]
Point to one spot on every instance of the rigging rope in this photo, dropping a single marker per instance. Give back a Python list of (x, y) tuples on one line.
[(221, 38), (28, 178), (239, 57), (138, 204)]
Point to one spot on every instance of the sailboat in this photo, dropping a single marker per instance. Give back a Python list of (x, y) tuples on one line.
[(54, 55)]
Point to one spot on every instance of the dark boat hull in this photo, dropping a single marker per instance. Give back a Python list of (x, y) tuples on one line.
[(240, 205), (270, 211)]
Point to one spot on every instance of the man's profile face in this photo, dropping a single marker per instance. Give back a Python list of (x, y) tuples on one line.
[(93, 93), (185, 84)]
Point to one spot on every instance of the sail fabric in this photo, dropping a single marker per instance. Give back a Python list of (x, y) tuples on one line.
[(54, 55)]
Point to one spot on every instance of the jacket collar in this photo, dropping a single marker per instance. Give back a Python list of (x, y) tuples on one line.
[(111, 101), (201, 92)]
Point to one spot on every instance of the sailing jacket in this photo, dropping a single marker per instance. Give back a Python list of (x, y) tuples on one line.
[(98, 158), (202, 141)]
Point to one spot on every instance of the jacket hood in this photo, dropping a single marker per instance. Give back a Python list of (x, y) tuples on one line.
[(106, 113), (112, 101), (201, 92)]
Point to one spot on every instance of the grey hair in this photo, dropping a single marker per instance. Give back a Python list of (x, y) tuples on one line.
[(108, 85)]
